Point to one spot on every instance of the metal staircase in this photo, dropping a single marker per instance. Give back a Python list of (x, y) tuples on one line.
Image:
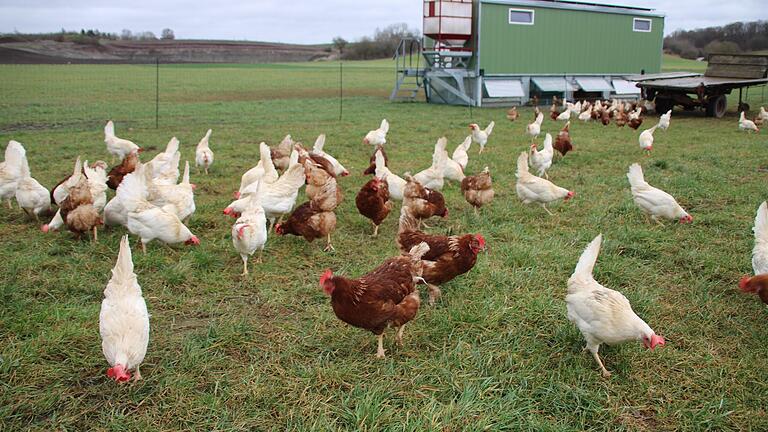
[(409, 76)]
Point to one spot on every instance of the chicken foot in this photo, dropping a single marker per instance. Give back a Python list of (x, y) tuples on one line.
[(434, 293), (380, 349), (137, 375), (375, 230), (10, 204), (605, 372), (544, 206), (245, 265), (328, 246)]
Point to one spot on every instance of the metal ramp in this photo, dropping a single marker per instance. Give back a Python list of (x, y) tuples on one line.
[(409, 76)]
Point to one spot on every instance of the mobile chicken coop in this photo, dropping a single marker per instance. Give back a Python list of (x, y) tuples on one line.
[(505, 52)]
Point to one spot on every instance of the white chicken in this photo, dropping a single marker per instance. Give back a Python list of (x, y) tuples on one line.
[(763, 114), (61, 191), (481, 136), (532, 189), (277, 199), (747, 125), (534, 129), (433, 177), (586, 115), (203, 153), (148, 221), (161, 163), (179, 198), (603, 316), (32, 197), (541, 161), (378, 136), (117, 146), (634, 115), (96, 174), (249, 232), (646, 139), (760, 251), (665, 119), (461, 154), (565, 115), (317, 150), (265, 170), (115, 213), (10, 171), (395, 183), (652, 201), (124, 319)]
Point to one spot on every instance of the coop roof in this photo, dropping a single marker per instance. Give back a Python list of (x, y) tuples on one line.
[(576, 5), (625, 87)]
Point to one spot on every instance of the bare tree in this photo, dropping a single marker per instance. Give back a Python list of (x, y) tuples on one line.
[(167, 34), (340, 43)]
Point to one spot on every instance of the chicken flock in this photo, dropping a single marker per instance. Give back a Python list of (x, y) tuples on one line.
[(151, 203)]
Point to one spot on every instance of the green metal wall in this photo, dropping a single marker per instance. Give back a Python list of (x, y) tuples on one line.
[(567, 41)]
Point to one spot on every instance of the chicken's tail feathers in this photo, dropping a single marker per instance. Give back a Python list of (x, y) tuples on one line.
[(173, 146), (294, 158), (489, 129), (635, 175), (467, 143), (133, 189), (407, 221), (761, 223), (185, 177), (384, 126), (14, 152), (522, 164), (122, 273), (588, 258), (204, 141), (109, 129), (418, 251), (319, 144), (548, 142), (380, 163), (24, 167)]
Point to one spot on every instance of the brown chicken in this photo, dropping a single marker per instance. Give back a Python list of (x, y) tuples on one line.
[(512, 114), (447, 258), (605, 118), (78, 212), (621, 117), (127, 166), (553, 111), (314, 219), (387, 296), (756, 284), (758, 121), (478, 189), (373, 202), (635, 123), (372, 165), (424, 203), (281, 155), (317, 178), (563, 140)]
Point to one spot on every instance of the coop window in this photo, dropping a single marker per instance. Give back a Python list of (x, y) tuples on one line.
[(641, 25), (521, 16)]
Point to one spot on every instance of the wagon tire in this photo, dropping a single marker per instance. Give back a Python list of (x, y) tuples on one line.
[(716, 106)]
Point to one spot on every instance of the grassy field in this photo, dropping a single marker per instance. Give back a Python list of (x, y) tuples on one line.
[(267, 353)]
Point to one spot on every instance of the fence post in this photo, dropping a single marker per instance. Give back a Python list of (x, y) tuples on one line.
[(341, 88), (157, 92)]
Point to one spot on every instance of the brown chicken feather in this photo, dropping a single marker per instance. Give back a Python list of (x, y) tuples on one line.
[(373, 202), (127, 166), (478, 189)]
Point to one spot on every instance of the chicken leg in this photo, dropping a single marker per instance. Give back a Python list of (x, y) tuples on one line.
[(245, 265), (95, 235), (143, 247), (10, 204), (380, 349), (399, 336), (137, 375), (375, 230), (206, 170), (544, 206), (328, 246), (605, 372), (434, 293)]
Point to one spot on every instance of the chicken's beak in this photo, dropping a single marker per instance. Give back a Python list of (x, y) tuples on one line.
[(345, 173)]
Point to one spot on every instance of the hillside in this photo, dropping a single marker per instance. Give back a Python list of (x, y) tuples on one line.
[(169, 51)]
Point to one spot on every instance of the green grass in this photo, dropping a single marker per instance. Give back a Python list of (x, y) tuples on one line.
[(673, 63), (267, 353)]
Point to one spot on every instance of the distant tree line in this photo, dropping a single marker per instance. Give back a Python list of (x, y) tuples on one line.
[(738, 37), (381, 45), (90, 36)]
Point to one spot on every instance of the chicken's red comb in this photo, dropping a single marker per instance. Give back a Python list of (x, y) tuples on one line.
[(480, 239)]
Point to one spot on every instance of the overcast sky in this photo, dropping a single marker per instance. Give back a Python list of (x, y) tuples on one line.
[(297, 21)]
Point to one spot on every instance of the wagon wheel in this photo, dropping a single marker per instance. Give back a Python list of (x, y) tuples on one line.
[(716, 106)]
